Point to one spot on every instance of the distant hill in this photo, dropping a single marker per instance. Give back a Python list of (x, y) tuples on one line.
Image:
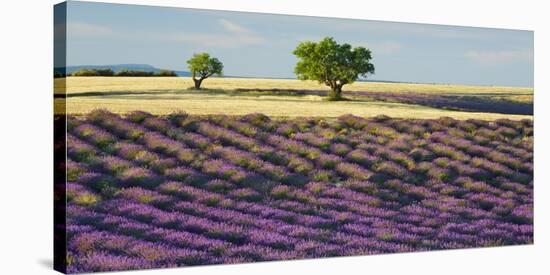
[(119, 67)]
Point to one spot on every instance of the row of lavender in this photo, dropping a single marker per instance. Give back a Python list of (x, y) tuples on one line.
[(147, 191)]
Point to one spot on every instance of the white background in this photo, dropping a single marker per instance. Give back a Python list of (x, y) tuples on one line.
[(26, 58)]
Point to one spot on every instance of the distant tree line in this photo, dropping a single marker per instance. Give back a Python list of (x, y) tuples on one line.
[(144, 73), (94, 72), (109, 72)]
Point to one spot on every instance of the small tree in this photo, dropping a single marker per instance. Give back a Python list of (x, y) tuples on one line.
[(332, 64), (202, 66)]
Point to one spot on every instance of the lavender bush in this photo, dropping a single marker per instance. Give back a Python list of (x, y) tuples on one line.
[(149, 191)]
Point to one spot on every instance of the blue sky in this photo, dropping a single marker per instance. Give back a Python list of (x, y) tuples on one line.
[(260, 45)]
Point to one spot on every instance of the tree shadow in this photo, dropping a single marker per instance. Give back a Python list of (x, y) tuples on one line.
[(471, 103)]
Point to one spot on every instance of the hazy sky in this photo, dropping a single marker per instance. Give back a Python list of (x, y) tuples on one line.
[(260, 45)]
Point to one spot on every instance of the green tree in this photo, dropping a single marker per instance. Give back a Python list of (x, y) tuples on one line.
[(332, 64), (202, 66), (94, 72)]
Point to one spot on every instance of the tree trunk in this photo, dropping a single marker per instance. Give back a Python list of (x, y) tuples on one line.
[(197, 83), (335, 93)]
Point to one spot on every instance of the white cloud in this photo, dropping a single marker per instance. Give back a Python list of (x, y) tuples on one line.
[(500, 57), (83, 29), (233, 36), (385, 27), (216, 40), (233, 27)]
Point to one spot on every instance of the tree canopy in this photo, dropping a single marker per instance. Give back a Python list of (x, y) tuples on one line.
[(332, 64), (202, 66)]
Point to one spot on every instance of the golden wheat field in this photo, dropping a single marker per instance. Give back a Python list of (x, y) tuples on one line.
[(163, 95)]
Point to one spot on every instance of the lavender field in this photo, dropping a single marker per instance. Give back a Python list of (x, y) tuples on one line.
[(149, 191)]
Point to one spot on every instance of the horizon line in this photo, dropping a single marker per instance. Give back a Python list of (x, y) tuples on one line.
[(294, 78)]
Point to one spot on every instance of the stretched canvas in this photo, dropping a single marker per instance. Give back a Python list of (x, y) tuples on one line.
[(189, 137)]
